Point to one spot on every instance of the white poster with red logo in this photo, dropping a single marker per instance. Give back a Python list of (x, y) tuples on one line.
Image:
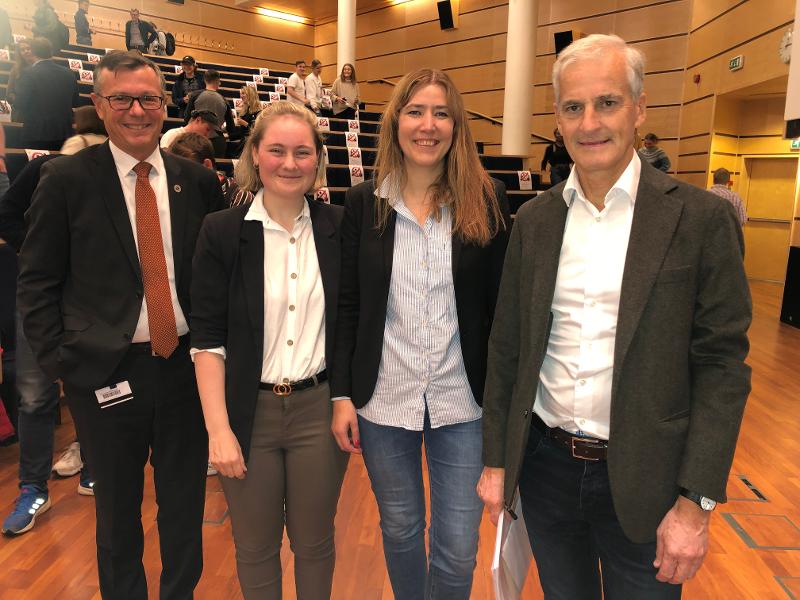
[(356, 174), (4, 54), (326, 102), (5, 111), (238, 103), (352, 125), (92, 58), (75, 64), (36, 153), (258, 79), (18, 37), (283, 80), (178, 69), (525, 182), (354, 156), (323, 124), (263, 72), (251, 84), (323, 195), (274, 96), (264, 104), (351, 139), (86, 76), (280, 89)]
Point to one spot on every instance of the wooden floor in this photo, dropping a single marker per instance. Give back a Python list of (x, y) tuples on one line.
[(754, 551)]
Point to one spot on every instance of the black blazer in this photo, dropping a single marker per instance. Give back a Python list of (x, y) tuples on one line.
[(366, 277), (145, 29), (46, 94), (80, 286), (228, 300)]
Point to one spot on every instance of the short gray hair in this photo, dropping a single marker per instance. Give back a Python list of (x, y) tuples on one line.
[(594, 46)]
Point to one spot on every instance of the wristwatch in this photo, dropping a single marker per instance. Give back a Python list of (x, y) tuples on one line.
[(707, 504)]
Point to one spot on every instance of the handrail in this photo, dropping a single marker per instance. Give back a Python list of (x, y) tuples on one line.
[(474, 113)]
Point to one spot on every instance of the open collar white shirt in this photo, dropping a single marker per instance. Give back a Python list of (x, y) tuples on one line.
[(158, 181), (574, 391)]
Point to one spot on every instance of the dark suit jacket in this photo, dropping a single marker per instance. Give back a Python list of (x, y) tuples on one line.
[(80, 285), (228, 300), (46, 94), (680, 382), (148, 33), (366, 277), (17, 200)]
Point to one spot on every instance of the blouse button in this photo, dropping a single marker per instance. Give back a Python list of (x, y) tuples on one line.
[(291, 307), (294, 275), (291, 240), (290, 342)]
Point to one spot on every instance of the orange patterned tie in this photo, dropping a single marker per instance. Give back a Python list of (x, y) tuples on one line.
[(160, 314)]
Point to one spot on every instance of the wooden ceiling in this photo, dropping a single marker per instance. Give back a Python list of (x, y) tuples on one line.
[(311, 9)]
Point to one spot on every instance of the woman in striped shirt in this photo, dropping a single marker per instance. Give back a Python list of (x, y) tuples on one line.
[(422, 252)]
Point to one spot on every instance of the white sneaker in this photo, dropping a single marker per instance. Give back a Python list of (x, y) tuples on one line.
[(70, 462), (211, 470)]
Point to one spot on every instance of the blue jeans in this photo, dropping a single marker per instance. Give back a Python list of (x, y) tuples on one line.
[(38, 403), (574, 531), (393, 457)]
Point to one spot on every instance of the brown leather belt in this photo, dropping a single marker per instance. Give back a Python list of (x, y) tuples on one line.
[(580, 447), (285, 388)]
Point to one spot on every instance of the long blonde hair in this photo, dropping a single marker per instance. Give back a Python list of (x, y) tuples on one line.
[(251, 101), (246, 173), (464, 185)]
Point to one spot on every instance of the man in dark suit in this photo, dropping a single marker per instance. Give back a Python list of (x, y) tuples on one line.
[(104, 295), (138, 34), (616, 380), (46, 94)]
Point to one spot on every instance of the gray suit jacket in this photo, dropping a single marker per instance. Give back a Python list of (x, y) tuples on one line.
[(680, 381)]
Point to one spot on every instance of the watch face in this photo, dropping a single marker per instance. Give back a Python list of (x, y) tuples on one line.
[(707, 503)]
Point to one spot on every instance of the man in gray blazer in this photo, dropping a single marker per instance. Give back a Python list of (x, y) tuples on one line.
[(616, 380)]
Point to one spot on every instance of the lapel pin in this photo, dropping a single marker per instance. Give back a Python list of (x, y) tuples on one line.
[(177, 188)]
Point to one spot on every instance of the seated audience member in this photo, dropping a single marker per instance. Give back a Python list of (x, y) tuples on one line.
[(46, 94), (266, 400), (89, 130), (202, 122), (722, 178), (314, 86), (190, 80), (296, 87), (83, 33), (653, 154), (344, 93), (557, 156), (197, 148), (25, 60), (138, 34), (246, 116), (210, 99)]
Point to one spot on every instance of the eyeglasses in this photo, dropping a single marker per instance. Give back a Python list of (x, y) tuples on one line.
[(121, 102)]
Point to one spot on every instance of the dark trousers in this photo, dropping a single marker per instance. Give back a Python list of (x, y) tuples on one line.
[(574, 531), (220, 146), (163, 421)]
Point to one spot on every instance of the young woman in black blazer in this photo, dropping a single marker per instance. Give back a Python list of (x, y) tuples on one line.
[(422, 253), (264, 292)]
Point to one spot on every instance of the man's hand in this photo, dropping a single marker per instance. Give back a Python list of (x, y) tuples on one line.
[(681, 542), (344, 426), (490, 490)]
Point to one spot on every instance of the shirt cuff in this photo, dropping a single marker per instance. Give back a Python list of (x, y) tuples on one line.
[(218, 350)]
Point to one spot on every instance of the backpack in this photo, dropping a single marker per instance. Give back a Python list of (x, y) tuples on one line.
[(170, 44)]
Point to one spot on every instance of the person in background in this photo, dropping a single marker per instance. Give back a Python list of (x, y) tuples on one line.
[(83, 33), (654, 155), (557, 156), (617, 378), (210, 99), (189, 80), (202, 122), (264, 295), (139, 34), (6, 36), (196, 147), (46, 94), (314, 86), (296, 86), (344, 93), (422, 253), (89, 130), (721, 187), (4, 183), (246, 116), (24, 61), (46, 24)]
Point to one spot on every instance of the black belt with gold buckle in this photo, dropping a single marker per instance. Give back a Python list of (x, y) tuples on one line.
[(285, 388), (580, 447)]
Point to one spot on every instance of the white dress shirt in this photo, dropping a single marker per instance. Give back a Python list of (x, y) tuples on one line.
[(574, 390), (298, 84), (294, 299), (158, 181), (314, 89)]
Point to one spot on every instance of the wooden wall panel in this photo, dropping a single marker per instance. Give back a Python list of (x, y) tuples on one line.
[(765, 145), (762, 117), (697, 117), (695, 179), (693, 145), (664, 122), (710, 9), (693, 163)]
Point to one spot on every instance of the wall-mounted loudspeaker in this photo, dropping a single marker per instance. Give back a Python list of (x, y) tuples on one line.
[(448, 13), (563, 39)]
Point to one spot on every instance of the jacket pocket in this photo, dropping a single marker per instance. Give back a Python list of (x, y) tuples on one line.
[(684, 414), (674, 275)]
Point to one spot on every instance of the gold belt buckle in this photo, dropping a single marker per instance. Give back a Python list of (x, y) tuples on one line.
[(574, 439), (282, 389)]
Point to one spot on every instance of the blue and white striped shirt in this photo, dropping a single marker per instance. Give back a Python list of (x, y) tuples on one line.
[(421, 360)]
